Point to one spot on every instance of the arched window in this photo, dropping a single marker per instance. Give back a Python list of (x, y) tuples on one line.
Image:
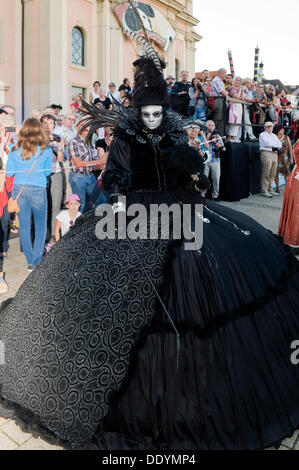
[(77, 46)]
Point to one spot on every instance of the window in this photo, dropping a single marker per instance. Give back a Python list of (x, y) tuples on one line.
[(77, 46)]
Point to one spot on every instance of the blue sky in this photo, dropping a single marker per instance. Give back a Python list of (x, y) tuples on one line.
[(240, 25)]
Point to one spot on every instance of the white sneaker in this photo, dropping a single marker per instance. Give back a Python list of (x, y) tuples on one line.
[(266, 194), (274, 193), (3, 287)]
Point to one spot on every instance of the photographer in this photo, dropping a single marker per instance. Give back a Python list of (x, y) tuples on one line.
[(212, 164), (270, 105), (55, 194), (196, 138), (198, 94), (170, 81)]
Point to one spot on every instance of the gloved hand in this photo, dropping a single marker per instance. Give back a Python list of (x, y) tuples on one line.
[(119, 209)]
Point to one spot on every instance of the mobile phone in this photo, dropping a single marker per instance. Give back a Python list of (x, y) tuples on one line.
[(10, 129)]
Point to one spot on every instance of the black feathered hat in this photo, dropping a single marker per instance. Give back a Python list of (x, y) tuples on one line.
[(150, 86)]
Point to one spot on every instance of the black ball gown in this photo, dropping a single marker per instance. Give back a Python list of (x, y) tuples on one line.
[(92, 356)]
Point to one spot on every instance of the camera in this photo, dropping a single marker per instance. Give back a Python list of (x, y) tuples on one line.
[(199, 86), (56, 138)]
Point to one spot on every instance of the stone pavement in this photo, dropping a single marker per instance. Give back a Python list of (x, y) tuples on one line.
[(265, 211)]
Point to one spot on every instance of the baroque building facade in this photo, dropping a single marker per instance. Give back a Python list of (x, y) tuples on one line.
[(52, 49)]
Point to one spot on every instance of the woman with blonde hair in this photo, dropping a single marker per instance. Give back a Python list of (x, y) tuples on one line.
[(30, 161)]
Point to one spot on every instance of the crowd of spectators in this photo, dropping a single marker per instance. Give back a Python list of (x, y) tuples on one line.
[(225, 99), (56, 176)]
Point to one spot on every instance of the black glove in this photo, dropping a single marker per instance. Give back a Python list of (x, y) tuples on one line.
[(199, 182)]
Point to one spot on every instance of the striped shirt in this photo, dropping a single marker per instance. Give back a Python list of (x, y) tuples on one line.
[(217, 86), (77, 148)]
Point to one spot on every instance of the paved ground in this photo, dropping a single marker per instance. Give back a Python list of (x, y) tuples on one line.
[(265, 211)]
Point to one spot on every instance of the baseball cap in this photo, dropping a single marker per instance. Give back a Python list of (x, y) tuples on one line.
[(268, 123), (192, 125), (170, 76), (72, 197)]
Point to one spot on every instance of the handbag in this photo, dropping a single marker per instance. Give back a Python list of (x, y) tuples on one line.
[(190, 110), (12, 205)]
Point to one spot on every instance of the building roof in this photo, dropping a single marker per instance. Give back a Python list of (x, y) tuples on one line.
[(278, 85), (212, 74)]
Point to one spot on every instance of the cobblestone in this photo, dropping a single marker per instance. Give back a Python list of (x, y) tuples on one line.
[(14, 432), (6, 443), (37, 444), (290, 441)]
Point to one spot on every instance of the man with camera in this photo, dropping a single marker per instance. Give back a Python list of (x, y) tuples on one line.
[(269, 146), (170, 81), (84, 161), (212, 163), (179, 96), (55, 194), (198, 94)]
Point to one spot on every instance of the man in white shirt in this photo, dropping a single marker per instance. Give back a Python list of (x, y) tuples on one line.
[(269, 146)]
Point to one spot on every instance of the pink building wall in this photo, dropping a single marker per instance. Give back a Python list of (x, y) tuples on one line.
[(8, 59), (80, 14), (48, 67), (32, 50)]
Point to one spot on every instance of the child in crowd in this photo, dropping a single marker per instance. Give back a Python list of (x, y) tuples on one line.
[(67, 218)]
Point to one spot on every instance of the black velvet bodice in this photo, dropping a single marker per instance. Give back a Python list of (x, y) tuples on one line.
[(150, 169), (158, 164)]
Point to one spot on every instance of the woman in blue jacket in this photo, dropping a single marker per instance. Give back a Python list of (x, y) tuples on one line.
[(31, 148)]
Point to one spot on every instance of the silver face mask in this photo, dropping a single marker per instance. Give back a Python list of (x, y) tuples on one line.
[(152, 116)]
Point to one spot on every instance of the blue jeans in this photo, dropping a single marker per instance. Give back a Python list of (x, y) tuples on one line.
[(200, 113), (83, 185), (32, 201)]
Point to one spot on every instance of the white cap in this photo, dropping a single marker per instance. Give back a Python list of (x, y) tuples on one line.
[(268, 123)]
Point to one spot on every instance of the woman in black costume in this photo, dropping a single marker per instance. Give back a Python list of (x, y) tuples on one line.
[(141, 344)]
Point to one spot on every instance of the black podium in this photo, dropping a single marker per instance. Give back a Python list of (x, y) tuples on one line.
[(240, 171)]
